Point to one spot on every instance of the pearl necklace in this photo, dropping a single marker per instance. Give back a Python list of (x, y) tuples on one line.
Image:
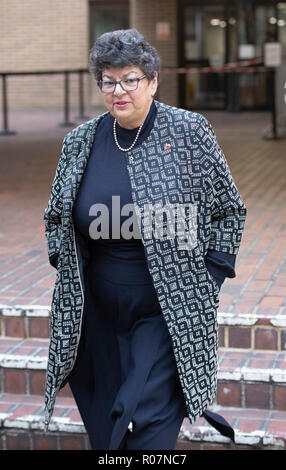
[(116, 141)]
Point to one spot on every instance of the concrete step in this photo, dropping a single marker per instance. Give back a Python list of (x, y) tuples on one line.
[(256, 429), (246, 378), (252, 331), (21, 423), (235, 331), (252, 379), (24, 321)]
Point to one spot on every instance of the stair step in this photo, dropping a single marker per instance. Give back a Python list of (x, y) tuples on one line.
[(24, 321), (235, 331), (252, 331), (245, 378), (254, 429), (22, 415), (18, 410), (252, 379)]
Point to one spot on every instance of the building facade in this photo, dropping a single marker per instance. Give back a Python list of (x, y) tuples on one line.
[(56, 35)]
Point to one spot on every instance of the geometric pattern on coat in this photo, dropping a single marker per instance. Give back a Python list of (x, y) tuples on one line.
[(180, 162)]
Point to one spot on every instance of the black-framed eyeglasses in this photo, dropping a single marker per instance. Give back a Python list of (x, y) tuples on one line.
[(127, 84)]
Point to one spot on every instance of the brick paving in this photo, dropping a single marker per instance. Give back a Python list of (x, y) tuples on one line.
[(28, 162)]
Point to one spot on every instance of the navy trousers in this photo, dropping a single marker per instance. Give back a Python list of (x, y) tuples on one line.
[(125, 373)]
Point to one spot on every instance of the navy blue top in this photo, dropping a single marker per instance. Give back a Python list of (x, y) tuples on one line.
[(106, 176)]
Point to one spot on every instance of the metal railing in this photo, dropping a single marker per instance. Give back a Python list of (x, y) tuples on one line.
[(66, 105), (239, 67)]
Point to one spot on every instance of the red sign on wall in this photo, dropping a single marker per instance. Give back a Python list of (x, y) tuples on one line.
[(163, 30)]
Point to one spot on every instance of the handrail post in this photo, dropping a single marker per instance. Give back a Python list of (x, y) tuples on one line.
[(66, 122), (5, 130), (81, 114), (273, 90), (272, 134)]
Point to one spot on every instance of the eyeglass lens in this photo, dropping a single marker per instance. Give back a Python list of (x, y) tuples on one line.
[(129, 84)]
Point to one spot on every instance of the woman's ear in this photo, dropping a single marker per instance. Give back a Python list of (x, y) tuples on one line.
[(154, 84)]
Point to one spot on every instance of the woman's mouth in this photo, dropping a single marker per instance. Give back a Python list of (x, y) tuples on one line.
[(121, 104)]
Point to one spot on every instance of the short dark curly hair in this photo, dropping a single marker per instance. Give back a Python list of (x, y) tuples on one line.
[(121, 48)]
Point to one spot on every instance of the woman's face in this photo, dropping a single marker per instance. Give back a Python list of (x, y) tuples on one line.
[(129, 108)]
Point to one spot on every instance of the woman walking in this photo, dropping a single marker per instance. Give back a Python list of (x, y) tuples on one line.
[(133, 315)]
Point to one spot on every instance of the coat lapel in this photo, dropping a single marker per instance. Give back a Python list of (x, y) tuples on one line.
[(150, 187), (82, 145), (150, 190)]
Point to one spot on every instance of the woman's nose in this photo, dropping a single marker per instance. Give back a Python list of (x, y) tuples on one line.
[(118, 90)]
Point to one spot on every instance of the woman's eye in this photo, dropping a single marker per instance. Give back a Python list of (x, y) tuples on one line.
[(108, 82), (130, 80)]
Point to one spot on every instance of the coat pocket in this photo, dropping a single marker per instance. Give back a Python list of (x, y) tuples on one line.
[(210, 278), (204, 280)]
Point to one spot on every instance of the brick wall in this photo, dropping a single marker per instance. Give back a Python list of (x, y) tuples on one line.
[(144, 16), (39, 35)]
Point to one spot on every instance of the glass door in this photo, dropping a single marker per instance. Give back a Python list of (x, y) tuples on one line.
[(107, 16), (257, 24), (204, 45), (215, 34)]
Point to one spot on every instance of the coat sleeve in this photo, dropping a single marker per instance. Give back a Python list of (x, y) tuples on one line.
[(53, 211), (228, 211)]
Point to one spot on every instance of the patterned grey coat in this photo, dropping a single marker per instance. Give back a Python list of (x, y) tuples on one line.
[(179, 162)]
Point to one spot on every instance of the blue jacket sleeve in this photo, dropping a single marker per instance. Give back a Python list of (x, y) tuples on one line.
[(220, 265)]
